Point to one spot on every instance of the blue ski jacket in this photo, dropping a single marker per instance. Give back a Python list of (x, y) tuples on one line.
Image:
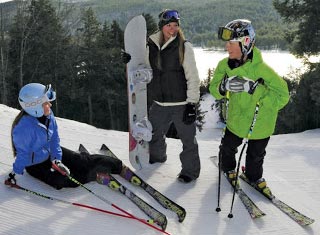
[(35, 142)]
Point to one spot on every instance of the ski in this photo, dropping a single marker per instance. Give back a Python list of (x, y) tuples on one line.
[(134, 179), (155, 215), (251, 207), (108, 180), (292, 213)]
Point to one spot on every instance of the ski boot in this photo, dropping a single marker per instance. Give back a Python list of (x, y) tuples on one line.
[(108, 180), (231, 177), (261, 185), (130, 176)]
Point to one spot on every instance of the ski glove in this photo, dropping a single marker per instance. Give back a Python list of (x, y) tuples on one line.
[(190, 114), (238, 84), (11, 180), (126, 57), (60, 167)]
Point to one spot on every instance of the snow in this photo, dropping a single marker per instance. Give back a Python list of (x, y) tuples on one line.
[(291, 170)]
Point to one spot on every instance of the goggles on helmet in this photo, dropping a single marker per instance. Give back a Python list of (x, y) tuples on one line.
[(50, 94), (226, 34), (168, 15)]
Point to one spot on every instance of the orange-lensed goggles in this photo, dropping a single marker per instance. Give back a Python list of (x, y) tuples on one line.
[(226, 34)]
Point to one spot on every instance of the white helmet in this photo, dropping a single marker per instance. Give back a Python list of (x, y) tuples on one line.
[(240, 30), (33, 95)]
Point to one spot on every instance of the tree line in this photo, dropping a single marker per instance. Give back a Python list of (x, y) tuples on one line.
[(200, 19), (80, 57)]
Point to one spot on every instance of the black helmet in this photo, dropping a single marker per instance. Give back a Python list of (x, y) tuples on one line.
[(168, 16)]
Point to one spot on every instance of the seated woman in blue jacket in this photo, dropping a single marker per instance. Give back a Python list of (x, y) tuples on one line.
[(36, 144)]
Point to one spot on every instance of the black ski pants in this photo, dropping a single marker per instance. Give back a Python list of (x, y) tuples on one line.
[(256, 150), (83, 167)]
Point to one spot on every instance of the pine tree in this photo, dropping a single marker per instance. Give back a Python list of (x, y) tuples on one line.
[(304, 106), (38, 46), (306, 14)]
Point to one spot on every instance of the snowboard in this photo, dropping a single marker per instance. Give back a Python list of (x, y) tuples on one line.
[(138, 75)]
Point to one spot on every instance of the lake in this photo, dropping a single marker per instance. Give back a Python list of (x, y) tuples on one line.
[(281, 61)]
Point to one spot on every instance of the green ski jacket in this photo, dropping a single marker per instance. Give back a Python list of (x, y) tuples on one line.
[(272, 95)]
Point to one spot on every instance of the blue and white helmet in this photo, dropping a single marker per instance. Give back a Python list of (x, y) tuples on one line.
[(33, 95), (239, 30)]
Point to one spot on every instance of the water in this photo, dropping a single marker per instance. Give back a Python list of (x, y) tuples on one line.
[(281, 61)]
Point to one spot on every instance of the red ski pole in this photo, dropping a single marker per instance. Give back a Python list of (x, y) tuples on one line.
[(146, 222), (128, 215)]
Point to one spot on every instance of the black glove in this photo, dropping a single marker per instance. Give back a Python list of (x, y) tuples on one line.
[(190, 114), (222, 87), (11, 180), (126, 57)]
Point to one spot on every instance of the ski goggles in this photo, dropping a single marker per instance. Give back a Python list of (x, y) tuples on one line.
[(226, 34), (168, 15), (50, 94)]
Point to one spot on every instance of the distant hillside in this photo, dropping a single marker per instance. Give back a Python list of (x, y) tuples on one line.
[(201, 18)]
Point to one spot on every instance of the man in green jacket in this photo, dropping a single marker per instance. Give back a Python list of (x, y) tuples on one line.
[(246, 81)]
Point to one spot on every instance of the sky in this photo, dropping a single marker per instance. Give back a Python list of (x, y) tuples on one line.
[(291, 169)]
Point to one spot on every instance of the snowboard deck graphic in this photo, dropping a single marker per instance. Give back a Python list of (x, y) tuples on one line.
[(138, 75)]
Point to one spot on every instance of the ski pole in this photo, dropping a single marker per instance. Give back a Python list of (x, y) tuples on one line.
[(66, 202), (84, 206), (107, 201), (218, 209), (244, 145)]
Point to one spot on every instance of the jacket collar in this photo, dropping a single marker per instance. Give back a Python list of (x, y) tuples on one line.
[(156, 39)]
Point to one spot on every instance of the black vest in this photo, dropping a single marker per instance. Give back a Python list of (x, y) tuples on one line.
[(168, 83)]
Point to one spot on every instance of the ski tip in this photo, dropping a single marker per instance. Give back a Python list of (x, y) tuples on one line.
[(163, 224), (182, 216), (306, 222), (80, 147), (104, 147), (83, 149)]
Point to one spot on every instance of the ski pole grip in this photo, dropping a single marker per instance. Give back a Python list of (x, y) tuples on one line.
[(55, 167)]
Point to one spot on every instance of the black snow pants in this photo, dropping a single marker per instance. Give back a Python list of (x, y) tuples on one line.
[(256, 150), (83, 167)]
